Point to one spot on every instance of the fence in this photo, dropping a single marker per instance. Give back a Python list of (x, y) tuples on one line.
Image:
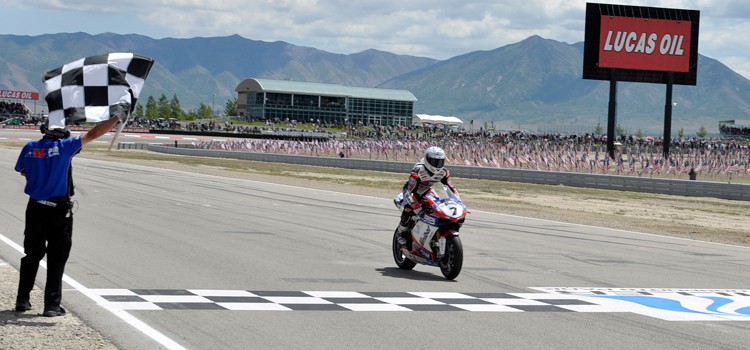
[(690, 188)]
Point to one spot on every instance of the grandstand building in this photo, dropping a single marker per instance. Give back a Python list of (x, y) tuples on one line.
[(265, 99), (730, 129)]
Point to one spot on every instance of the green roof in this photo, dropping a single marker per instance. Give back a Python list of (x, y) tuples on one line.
[(305, 88)]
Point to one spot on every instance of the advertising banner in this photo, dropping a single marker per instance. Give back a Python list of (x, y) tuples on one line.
[(19, 95), (641, 44), (646, 44)]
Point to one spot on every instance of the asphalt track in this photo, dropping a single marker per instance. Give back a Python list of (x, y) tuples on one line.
[(167, 259)]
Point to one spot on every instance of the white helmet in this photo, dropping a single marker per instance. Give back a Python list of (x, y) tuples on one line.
[(434, 159)]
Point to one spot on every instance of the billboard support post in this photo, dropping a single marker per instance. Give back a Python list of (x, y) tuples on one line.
[(612, 115), (668, 116)]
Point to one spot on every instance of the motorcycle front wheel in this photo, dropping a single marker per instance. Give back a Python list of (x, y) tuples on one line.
[(401, 260), (453, 260)]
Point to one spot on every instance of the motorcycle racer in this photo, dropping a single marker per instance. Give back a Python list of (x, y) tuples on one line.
[(427, 172)]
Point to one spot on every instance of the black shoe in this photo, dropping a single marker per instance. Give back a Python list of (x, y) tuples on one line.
[(22, 306), (54, 312)]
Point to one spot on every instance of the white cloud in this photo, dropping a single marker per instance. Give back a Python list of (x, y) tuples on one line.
[(432, 28)]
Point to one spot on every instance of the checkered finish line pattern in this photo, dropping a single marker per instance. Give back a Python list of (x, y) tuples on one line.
[(668, 305), (95, 88)]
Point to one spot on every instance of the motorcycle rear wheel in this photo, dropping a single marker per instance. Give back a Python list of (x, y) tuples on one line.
[(453, 260), (401, 260)]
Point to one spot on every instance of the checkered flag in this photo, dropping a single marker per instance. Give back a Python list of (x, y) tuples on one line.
[(95, 88)]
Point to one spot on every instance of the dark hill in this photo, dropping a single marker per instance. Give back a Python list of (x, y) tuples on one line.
[(533, 84)]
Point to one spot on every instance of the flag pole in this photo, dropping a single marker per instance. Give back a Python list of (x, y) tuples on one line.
[(119, 130)]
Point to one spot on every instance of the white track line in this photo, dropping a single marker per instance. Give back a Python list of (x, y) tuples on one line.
[(123, 315)]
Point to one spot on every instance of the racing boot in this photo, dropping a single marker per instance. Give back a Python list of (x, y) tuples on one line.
[(402, 232)]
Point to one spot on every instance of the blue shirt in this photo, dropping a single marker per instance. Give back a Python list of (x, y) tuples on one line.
[(45, 164)]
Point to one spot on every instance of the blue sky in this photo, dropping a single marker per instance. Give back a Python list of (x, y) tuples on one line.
[(430, 28)]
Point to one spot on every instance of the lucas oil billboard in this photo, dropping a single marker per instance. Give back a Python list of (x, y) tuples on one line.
[(641, 44)]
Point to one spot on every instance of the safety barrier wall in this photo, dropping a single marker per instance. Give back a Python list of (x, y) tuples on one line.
[(691, 188), (132, 145)]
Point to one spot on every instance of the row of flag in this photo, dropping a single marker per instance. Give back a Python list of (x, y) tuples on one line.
[(636, 161)]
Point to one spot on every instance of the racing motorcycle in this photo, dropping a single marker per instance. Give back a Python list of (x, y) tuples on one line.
[(434, 236)]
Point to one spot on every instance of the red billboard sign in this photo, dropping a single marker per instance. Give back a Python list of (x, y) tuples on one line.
[(19, 95), (644, 44), (641, 44)]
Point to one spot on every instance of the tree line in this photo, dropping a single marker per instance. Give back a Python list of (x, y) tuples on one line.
[(171, 108)]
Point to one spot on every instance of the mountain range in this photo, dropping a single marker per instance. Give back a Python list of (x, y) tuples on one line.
[(534, 84)]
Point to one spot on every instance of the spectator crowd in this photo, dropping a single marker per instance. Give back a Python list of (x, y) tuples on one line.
[(13, 110), (223, 127)]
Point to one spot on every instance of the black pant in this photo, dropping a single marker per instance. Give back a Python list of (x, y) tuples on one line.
[(48, 230)]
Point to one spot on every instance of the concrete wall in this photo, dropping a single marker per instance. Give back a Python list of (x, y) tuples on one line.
[(609, 182)]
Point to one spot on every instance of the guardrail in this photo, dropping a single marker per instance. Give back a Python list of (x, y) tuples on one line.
[(690, 188)]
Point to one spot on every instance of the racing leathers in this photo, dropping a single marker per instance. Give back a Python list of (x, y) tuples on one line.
[(419, 184)]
